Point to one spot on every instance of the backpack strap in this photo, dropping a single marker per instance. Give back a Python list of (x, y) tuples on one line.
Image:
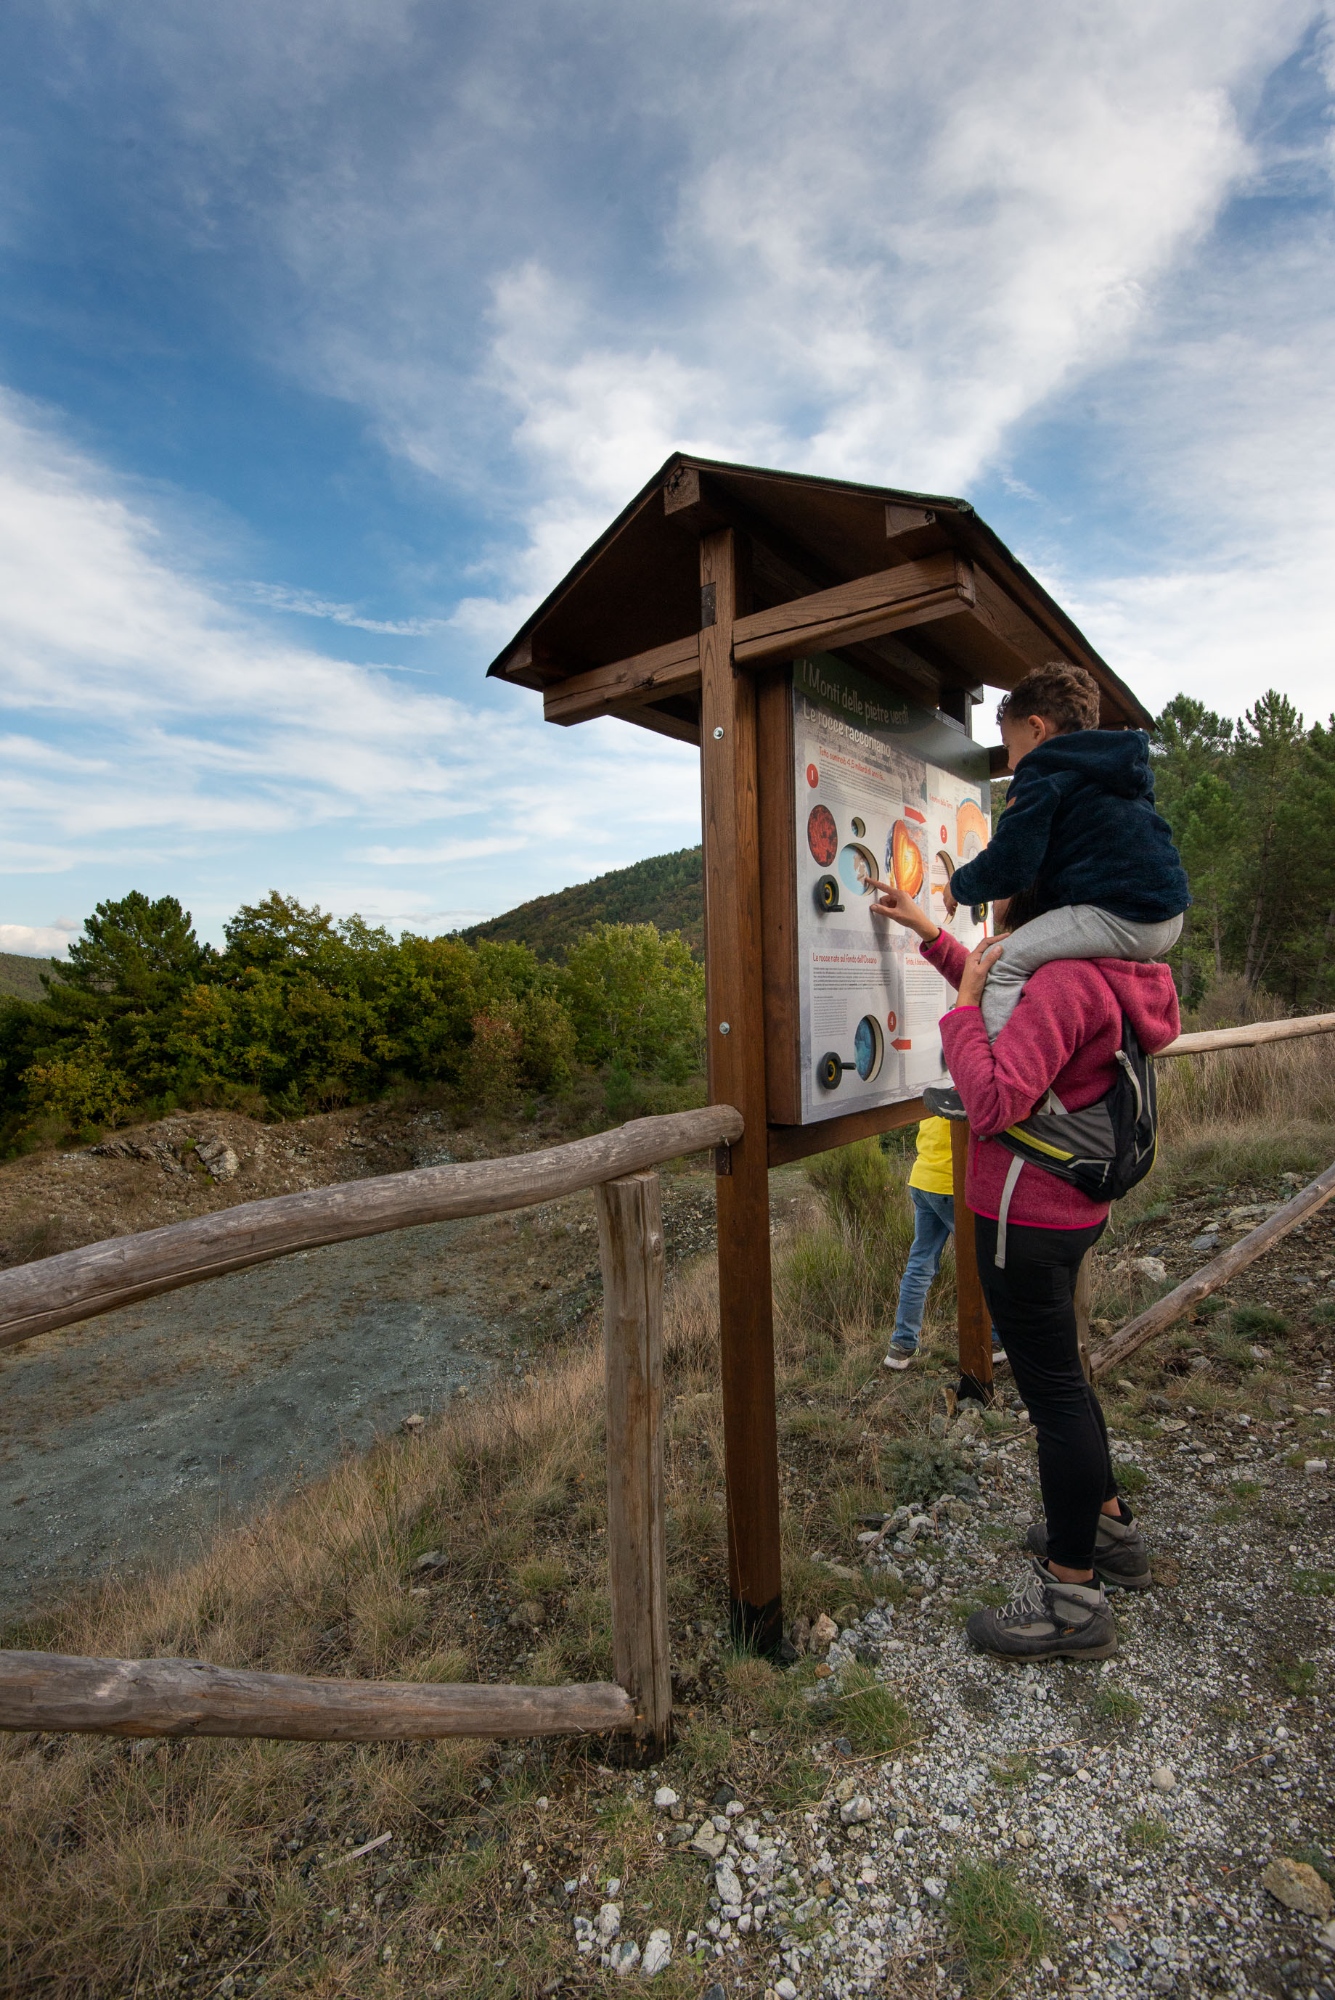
[(1013, 1172), (1050, 1103)]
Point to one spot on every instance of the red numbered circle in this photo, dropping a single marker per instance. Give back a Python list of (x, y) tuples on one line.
[(943, 833), (892, 1020), (813, 776)]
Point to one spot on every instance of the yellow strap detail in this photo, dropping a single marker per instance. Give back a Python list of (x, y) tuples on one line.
[(1039, 1145)]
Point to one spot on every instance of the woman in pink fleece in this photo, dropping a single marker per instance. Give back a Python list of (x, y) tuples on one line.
[(1064, 1035)]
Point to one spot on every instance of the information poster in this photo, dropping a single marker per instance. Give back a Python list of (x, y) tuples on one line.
[(885, 791)]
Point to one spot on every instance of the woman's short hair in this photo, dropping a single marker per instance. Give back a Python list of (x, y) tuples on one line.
[(1060, 693)]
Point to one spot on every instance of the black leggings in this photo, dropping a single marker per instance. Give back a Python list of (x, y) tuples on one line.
[(1033, 1309)]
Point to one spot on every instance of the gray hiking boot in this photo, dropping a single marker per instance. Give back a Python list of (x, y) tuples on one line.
[(1121, 1559), (1048, 1620)]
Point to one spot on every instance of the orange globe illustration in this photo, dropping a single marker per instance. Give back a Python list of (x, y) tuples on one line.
[(905, 859)]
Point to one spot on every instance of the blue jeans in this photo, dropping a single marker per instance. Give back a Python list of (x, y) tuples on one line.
[(933, 1226)]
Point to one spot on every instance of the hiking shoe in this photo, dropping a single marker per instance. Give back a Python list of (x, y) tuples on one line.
[(1048, 1620), (1121, 1559), (900, 1357), (944, 1101)]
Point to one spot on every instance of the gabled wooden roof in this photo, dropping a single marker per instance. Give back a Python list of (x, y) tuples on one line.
[(637, 589)]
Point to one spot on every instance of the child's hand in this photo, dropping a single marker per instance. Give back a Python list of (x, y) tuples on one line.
[(895, 903), (976, 968), (951, 904)]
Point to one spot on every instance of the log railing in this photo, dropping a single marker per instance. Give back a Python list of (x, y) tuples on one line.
[(1165, 1311), (194, 1698)]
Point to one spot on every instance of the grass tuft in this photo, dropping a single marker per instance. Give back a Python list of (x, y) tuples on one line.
[(1016, 1768), (875, 1721), (1146, 1833), (997, 1929), (1115, 1704)]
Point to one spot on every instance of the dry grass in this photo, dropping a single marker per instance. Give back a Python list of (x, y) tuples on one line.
[(159, 1869), (162, 1868)]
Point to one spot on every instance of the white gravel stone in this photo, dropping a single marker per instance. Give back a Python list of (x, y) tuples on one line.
[(657, 1954)]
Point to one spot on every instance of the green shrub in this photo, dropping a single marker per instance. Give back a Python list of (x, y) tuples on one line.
[(301, 1012), (919, 1469)]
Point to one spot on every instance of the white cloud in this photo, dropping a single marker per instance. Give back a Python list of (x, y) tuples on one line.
[(896, 236), (443, 851), (39, 940), (148, 720), (305, 604)]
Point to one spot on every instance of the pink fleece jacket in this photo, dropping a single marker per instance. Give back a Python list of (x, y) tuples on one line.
[(1063, 1035)]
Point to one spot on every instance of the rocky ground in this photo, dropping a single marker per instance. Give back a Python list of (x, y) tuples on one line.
[(133, 1437), (1157, 1815)]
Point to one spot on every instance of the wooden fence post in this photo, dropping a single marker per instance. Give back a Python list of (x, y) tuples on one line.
[(972, 1316), (630, 1243)]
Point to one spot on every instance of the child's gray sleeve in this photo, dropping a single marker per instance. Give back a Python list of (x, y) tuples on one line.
[(1017, 848)]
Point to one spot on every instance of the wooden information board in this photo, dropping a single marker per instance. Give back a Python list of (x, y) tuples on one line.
[(823, 644)]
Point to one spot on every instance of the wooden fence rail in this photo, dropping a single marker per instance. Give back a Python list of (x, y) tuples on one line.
[(1252, 1035), (1161, 1315), (194, 1698), (80, 1284)]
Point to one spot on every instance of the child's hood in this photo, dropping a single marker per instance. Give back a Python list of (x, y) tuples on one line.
[(1117, 760), (1147, 996)]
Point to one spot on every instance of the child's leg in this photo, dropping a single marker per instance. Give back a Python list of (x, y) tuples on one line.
[(933, 1220), (1076, 930)]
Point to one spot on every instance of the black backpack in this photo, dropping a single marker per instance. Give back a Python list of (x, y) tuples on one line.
[(1105, 1149)]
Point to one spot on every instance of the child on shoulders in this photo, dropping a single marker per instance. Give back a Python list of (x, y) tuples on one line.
[(1080, 832)]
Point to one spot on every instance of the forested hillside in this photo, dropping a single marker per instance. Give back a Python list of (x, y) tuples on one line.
[(299, 1012), (21, 978), (665, 891)]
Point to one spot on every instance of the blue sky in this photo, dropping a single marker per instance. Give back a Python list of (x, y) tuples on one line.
[(331, 332)]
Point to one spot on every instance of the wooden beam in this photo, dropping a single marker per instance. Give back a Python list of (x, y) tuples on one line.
[(630, 1242), (798, 1142), (1159, 1316), (1253, 1035), (645, 677), (973, 1319), (662, 721), (901, 519), (79, 1284), (735, 1017), (193, 1698), (910, 594)]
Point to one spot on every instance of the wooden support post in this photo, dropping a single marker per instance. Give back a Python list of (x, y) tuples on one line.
[(972, 1316), (630, 1243), (735, 1013)]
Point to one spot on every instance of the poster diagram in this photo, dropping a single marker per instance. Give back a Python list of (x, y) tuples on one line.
[(884, 791)]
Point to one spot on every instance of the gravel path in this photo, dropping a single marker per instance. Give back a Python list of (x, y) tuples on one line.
[(1137, 1801)]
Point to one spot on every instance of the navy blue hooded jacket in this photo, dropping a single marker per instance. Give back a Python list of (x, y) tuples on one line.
[(1080, 825)]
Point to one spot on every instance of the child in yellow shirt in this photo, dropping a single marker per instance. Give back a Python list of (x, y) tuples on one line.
[(932, 1192)]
